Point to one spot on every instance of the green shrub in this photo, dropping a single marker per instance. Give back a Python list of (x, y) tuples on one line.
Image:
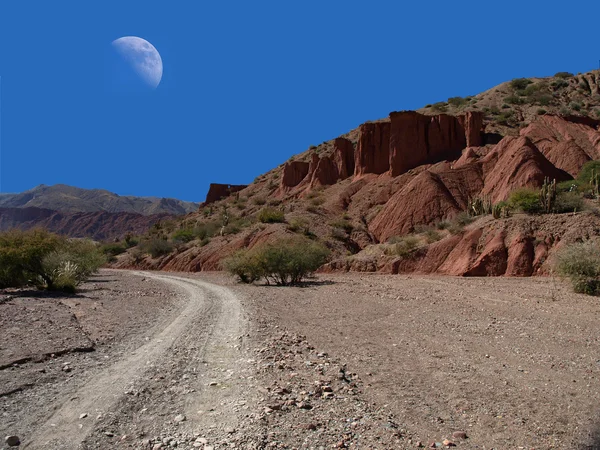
[(432, 236), (520, 83), (580, 262), (463, 219), (541, 111), (575, 106), (526, 200), (570, 186), (157, 247), (284, 262), (271, 215), (457, 101), (245, 265), (259, 201), (559, 84), (585, 174), (343, 224), (442, 225), (440, 106), (43, 258), (563, 75), (113, 249), (568, 202), (514, 100), (403, 246), (183, 236)]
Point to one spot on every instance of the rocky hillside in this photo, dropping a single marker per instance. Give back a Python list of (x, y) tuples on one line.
[(101, 226), (392, 194), (65, 198)]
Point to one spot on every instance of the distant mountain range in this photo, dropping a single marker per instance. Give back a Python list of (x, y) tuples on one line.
[(69, 199)]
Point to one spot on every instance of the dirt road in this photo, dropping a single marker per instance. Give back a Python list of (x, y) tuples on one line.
[(200, 346)]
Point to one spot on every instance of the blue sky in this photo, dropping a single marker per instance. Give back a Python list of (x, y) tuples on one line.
[(248, 84)]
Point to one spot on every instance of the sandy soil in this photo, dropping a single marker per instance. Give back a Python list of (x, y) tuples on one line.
[(512, 362), (155, 360)]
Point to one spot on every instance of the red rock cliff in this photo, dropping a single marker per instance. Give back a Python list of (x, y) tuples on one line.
[(219, 191), (411, 139)]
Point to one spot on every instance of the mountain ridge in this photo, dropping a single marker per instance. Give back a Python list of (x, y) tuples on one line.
[(65, 198)]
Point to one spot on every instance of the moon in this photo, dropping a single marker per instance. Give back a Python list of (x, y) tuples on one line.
[(136, 64)]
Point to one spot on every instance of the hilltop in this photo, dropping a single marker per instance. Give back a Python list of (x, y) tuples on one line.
[(61, 197), (398, 194)]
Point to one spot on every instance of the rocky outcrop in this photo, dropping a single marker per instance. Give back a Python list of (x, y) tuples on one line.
[(516, 163), (293, 173), (218, 191), (568, 143), (411, 139), (343, 158), (101, 226), (373, 150)]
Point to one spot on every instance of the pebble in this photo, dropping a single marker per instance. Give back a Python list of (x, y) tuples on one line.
[(448, 443), (12, 441), (180, 418), (83, 416), (459, 435)]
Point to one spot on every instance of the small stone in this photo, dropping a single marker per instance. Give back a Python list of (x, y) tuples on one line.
[(82, 416), (267, 410), (109, 434), (304, 405), (229, 430), (328, 394), (202, 440), (448, 443), (66, 369), (157, 447), (12, 441), (208, 447), (213, 383), (180, 418), (459, 435)]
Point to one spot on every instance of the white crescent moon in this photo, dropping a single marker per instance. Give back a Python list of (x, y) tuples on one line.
[(143, 58)]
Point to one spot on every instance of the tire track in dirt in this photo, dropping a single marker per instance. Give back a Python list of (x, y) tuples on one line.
[(208, 322)]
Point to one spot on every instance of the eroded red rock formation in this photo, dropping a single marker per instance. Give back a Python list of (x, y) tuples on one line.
[(218, 191)]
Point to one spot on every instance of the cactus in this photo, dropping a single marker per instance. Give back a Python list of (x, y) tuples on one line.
[(497, 211), (479, 206), (548, 195), (595, 182)]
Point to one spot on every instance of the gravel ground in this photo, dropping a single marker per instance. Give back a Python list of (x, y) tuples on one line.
[(155, 360)]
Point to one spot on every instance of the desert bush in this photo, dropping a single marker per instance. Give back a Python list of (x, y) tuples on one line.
[(587, 170), (403, 246), (541, 111), (432, 235), (520, 83), (113, 249), (526, 200), (580, 262), (440, 106), (156, 247), (343, 224), (25, 258), (70, 264), (284, 262), (183, 236), (568, 202), (570, 186), (259, 201), (575, 106), (563, 75), (463, 219), (442, 225), (457, 101), (514, 100), (245, 265), (559, 84), (271, 215)]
